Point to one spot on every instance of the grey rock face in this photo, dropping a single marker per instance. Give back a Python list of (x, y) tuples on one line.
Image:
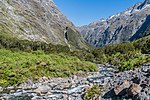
[(143, 31), (117, 28), (144, 3), (36, 20)]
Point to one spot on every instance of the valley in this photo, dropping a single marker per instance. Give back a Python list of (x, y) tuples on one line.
[(44, 56)]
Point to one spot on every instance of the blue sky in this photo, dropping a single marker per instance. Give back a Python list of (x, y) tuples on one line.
[(83, 12)]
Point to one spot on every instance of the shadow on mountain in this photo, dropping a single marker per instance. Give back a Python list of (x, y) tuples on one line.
[(143, 31)]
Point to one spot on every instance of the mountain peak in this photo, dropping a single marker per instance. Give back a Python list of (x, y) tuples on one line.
[(119, 27)]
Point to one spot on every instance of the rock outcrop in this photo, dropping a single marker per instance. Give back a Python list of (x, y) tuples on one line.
[(122, 87), (134, 90)]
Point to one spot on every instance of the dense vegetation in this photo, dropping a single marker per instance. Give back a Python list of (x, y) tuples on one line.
[(125, 55), (21, 59), (16, 67), (143, 44)]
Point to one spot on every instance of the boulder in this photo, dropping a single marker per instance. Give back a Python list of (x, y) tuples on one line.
[(121, 89), (134, 90), (42, 89)]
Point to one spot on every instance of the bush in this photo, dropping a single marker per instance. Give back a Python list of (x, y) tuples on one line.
[(93, 93), (146, 47)]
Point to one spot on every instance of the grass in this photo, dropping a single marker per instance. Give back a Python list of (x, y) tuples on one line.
[(17, 67)]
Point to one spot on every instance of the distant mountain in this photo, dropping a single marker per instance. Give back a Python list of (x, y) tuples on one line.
[(38, 20), (121, 27)]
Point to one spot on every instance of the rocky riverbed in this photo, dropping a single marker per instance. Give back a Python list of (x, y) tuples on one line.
[(128, 85)]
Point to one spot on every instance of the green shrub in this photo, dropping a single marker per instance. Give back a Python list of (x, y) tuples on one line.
[(93, 93), (17, 67)]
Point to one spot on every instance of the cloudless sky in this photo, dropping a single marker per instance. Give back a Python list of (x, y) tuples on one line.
[(83, 12)]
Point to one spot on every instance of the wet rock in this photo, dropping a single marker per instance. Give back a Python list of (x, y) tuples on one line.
[(134, 89)]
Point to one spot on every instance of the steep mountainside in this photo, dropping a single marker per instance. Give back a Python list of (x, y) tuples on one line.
[(118, 28), (37, 20), (143, 31)]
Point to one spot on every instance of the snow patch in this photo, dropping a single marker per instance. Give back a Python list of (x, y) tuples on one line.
[(114, 16), (127, 12), (146, 6)]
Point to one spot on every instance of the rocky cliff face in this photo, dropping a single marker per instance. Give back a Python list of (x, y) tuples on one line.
[(117, 28), (37, 20)]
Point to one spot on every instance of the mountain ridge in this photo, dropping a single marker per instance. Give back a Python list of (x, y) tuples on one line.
[(117, 28)]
